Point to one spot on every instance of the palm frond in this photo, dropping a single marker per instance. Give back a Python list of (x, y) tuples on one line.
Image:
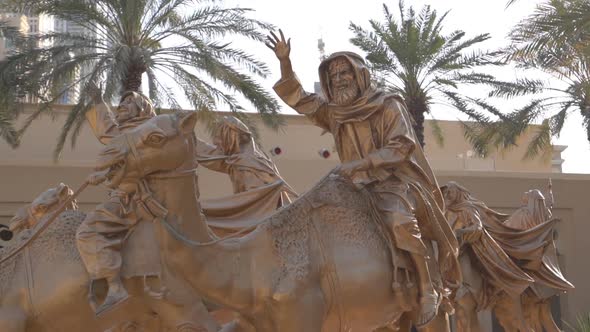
[(412, 56), (540, 143), (123, 40)]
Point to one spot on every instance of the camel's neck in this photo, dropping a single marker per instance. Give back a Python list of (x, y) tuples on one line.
[(208, 269), (179, 196)]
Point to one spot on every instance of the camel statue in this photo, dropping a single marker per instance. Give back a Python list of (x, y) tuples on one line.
[(498, 265), (45, 287), (319, 264)]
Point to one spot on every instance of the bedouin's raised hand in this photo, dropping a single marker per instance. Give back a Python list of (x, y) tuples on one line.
[(280, 46)]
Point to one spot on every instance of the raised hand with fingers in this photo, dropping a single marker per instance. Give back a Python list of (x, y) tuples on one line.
[(280, 46)]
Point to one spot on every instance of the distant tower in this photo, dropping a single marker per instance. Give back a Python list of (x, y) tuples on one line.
[(322, 49)]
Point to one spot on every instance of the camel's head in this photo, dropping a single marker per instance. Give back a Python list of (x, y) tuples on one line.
[(163, 143), (47, 202)]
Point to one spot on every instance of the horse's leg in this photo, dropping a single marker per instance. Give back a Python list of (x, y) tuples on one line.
[(466, 316), (12, 320), (509, 312), (546, 317)]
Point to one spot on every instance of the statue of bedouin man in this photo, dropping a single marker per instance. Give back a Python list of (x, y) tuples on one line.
[(533, 211), (101, 235), (378, 150), (235, 152), (487, 269)]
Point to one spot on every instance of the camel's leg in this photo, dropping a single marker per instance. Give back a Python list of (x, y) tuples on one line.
[(510, 314), (466, 317), (301, 311), (546, 317), (185, 317), (13, 320)]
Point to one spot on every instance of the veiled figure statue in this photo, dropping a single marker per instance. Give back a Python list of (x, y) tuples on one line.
[(499, 261), (258, 188)]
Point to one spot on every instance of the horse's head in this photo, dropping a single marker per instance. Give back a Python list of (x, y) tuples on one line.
[(46, 203), (160, 144)]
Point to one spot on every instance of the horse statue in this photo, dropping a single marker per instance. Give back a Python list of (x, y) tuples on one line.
[(45, 286), (318, 264), (504, 267)]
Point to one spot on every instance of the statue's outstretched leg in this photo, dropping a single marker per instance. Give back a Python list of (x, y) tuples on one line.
[(99, 239), (406, 233)]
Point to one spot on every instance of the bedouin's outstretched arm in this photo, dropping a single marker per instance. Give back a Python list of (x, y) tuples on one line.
[(289, 89), (282, 49), (100, 117)]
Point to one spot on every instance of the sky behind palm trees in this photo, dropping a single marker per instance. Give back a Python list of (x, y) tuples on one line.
[(305, 21)]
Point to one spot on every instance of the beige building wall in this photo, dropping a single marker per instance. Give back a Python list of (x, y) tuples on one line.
[(499, 180)]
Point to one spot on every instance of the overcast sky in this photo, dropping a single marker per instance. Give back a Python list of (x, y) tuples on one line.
[(305, 21)]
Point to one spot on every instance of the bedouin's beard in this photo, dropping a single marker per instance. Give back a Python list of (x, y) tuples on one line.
[(345, 96)]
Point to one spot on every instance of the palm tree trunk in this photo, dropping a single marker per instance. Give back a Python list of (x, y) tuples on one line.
[(417, 108), (132, 80)]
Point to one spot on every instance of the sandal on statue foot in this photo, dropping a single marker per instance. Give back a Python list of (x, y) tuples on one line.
[(429, 304)]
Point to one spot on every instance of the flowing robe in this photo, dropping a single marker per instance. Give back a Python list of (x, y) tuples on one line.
[(258, 188), (377, 127), (486, 268), (533, 250)]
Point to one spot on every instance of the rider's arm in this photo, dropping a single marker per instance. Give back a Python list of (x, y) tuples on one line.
[(312, 105), (399, 145), (211, 156), (101, 120)]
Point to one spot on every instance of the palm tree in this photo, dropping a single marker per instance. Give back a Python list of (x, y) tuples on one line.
[(413, 57), (555, 40), (582, 324), (177, 44)]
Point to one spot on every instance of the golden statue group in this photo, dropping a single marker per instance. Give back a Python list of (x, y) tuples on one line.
[(376, 245)]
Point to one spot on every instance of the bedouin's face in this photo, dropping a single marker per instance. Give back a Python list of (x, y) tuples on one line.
[(449, 195), (127, 108), (343, 85)]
